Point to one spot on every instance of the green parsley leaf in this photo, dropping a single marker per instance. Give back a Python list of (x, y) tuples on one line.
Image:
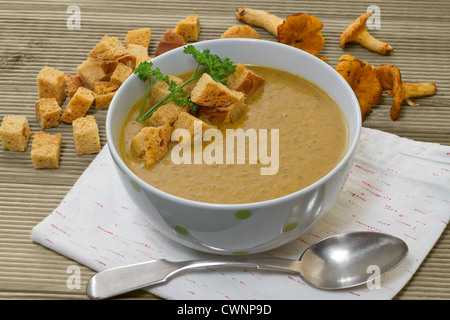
[(219, 69), (143, 70)]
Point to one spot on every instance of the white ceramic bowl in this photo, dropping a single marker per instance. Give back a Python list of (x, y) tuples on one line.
[(238, 228)]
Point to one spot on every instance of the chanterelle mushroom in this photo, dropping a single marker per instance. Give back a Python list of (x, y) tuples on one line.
[(363, 79), (240, 31), (391, 79), (357, 32), (299, 30), (303, 32)]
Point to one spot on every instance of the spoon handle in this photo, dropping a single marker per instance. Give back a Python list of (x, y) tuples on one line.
[(124, 279)]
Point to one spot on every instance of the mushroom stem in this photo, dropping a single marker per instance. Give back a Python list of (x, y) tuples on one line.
[(373, 44), (414, 90), (259, 18)]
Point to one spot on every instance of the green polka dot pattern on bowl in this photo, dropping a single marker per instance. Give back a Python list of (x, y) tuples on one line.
[(181, 230), (290, 227), (135, 186), (243, 214)]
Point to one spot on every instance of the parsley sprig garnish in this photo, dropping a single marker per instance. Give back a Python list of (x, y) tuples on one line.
[(218, 69)]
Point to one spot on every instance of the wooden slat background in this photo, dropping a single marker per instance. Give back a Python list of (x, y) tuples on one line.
[(34, 34)]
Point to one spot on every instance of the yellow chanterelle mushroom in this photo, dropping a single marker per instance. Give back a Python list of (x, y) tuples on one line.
[(363, 79), (299, 30), (357, 32)]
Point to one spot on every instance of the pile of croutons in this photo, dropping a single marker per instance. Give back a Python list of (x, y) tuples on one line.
[(96, 81)]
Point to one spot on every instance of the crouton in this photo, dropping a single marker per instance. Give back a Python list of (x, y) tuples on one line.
[(48, 112), (121, 73), (151, 143), (166, 114), (161, 89), (108, 49), (102, 101), (186, 121), (72, 83), (45, 150), (135, 55), (51, 84), (102, 87), (15, 133), (140, 37), (189, 28), (85, 135), (244, 80), (209, 93), (170, 41), (104, 92), (78, 105), (224, 115), (90, 71), (108, 68)]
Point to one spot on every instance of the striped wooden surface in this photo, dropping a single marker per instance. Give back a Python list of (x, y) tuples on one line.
[(34, 34)]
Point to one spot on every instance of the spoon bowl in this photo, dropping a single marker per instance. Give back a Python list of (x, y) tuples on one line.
[(350, 259), (337, 262)]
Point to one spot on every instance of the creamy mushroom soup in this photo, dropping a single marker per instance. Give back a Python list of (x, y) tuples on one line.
[(312, 140)]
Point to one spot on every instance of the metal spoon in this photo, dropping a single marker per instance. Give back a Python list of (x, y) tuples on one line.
[(337, 262)]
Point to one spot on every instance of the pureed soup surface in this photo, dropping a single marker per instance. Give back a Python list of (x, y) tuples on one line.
[(313, 139)]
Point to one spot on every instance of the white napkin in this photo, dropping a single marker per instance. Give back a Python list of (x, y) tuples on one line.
[(396, 186)]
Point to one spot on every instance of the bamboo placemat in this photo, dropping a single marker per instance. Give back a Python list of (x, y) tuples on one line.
[(35, 33)]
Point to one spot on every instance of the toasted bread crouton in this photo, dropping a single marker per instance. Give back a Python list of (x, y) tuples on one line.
[(170, 41), (121, 73), (140, 37), (72, 83), (209, 93), (51, 84), (104, 92), (45, 150), (108, 68), (102, 87), (244, 80), (166, 114), (15, 133), (189, 28), (48, 112), (108, 49), (186, 121), (78, 105), (102, 101), (135, 55), (151, 143), (161, 89), (85, 135), (90, 71), (224, 115)]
